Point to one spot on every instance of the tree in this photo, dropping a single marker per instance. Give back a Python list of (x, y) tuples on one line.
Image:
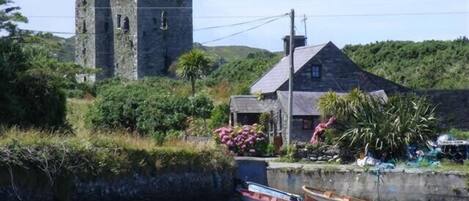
[(9, 16), (193, 66)]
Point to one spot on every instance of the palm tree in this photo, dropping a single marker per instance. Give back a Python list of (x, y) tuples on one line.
[(193, 66)]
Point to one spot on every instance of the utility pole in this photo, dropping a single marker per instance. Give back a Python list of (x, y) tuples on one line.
[(305, 18), (290, 82)]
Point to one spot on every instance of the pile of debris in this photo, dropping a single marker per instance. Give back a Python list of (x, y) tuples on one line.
[(318, 152)]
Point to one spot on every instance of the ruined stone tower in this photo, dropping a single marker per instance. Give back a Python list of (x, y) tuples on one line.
[(132, 38)]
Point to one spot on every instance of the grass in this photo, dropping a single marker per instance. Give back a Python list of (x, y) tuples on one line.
[(447, 166), (459, 134)]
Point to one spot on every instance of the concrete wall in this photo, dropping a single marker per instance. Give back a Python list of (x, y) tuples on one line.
[(252, 170), (182, 186), (394, 185)]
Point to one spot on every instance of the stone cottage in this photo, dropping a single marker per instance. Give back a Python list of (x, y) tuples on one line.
[(131, 38), (318, 69)]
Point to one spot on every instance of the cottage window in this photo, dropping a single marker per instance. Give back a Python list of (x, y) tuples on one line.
[(164, 21), (316, 71), (308, 124), (119, 21)]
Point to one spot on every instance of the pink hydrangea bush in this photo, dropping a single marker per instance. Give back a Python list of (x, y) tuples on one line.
[(245, 140)]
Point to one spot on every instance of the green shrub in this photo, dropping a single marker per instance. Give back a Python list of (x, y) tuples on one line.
[(220, 116), (28, 98), (264, 120), (424, 65), (382, 126), (459, 134), (143, 108), (201, 106)]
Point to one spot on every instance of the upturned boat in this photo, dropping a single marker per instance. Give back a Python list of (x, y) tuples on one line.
[(313, 194), (257, 192)]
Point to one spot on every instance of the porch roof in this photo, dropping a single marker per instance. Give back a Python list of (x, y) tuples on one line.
[(246, 104), (306, 103)]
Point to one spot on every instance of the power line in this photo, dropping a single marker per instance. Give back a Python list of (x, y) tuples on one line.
[(244, 31), (238, 24), (199, 29), (393, 14), (314, 16)]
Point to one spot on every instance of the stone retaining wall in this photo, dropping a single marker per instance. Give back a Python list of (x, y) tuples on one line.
[(180, 187)]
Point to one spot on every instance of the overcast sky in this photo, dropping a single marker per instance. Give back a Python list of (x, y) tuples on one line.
[(340, 21)]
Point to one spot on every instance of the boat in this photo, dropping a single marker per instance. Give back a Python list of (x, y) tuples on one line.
[(256, 192), (313, 194)]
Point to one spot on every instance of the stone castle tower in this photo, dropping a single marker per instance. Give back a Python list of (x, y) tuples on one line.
[(131, 38)]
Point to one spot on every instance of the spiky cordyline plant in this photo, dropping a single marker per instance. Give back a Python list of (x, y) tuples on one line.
[(382, 126)]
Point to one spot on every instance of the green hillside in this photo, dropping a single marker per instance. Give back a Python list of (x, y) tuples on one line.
[(61, 48), (224, 54), (421, 65)]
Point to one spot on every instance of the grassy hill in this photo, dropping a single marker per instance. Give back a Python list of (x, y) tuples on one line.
[(64, 48), (421, 65), (61, 48), (225, 54)]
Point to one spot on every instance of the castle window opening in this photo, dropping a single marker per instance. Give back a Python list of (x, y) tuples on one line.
[(164, 21), (126, 25), (119, 21), (106, 27), (84, 27)]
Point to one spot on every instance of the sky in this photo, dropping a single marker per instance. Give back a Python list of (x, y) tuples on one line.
[(340, 21)]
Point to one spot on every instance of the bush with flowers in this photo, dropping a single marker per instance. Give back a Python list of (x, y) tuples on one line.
[(244, 140)]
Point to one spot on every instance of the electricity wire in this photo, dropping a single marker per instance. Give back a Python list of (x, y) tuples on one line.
[(238, 24), (243, 31), (313, 16)]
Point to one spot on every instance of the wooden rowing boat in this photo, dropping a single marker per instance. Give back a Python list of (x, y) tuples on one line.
[(313, 194), (258, 192)]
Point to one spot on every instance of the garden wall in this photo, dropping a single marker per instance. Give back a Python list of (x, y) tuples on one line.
[(183, 186)]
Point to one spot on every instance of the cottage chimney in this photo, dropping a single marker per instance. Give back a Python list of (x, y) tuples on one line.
[(300, 41)]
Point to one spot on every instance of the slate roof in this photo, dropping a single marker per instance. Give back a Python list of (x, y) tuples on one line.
[(246, 104), (306, 103), (278, 75)]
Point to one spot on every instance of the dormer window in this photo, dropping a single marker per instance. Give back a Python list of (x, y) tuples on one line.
[(316, 71)]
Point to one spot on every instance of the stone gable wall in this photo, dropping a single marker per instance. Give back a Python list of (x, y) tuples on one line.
[(452, 106), (338, 73)]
